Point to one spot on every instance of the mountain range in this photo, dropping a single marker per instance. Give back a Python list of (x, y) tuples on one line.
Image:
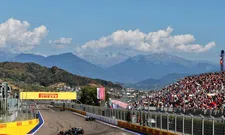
[(4, 56), (134, 70), (155, 66), (156, 84), (109, 60), (66, 61)]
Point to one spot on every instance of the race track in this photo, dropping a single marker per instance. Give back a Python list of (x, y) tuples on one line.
[(56, 121)]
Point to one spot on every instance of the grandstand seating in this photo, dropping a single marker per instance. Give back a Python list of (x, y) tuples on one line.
[(191, 94)]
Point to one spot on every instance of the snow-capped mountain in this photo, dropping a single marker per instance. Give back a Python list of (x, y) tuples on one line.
[(105, 60), (155, 66)]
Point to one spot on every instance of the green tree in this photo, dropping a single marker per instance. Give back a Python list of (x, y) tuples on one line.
[(89, 96)]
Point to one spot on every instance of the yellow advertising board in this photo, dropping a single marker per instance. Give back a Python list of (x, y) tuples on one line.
[(49, 95), (18, 128)]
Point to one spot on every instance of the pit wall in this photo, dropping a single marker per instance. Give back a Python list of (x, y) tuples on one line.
[(18, 128), (123, 124)]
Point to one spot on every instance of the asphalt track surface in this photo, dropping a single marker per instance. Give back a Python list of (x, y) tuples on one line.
[(56, 120)]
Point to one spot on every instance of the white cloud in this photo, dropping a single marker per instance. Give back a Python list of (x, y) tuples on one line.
[(159, 41), (15, 36), (61, 42)]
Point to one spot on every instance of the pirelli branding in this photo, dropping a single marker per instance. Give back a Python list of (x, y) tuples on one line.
[(3, 125), (48, 95), (30, 122), (19, 123)]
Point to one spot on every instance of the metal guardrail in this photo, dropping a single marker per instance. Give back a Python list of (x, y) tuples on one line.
[(184, 124)]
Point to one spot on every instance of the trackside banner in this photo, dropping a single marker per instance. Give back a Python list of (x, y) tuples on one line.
[(49, 95)]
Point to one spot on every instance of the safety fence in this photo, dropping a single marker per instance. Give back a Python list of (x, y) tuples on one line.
[(12, 109), (177, 123), (96, 113), (178, 110), (17, 115), (8, 109)]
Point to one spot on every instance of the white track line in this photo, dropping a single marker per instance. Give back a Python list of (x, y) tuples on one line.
[(51, 110)]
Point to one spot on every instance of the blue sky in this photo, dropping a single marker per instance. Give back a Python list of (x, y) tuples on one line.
[(84, 21)]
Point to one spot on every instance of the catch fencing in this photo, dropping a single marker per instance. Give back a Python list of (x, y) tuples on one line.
[(178, 110), (178, 123), (12, 109)]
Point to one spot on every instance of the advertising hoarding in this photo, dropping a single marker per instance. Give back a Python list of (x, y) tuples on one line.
[(49, 95)]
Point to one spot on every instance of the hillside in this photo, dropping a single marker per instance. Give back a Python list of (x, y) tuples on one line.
[(66, 61), (31, 73)]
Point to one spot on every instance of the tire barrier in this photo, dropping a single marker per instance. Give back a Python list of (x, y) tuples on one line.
[(143, 129), (73, 110), (77, 111), (18, 128)]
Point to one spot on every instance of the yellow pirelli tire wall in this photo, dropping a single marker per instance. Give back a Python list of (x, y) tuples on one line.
[(18, 128), (73, 110), (143, 129), (77, 111)]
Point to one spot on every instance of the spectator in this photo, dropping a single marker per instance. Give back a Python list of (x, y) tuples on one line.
[(204, 91)]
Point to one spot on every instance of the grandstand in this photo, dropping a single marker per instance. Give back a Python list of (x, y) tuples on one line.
[(205, 91)]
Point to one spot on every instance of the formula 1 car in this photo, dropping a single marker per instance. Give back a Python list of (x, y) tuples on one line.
[(73, 131), (61, 133), (88, 118), (79, 130)]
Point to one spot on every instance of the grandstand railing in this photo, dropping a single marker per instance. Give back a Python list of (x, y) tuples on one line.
[(182, 123)]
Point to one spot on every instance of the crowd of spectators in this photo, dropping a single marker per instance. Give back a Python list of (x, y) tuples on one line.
[(204, 91)]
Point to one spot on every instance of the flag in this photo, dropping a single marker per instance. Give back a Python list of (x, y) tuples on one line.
[(98, 90), (221, 61), (102, 93)]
